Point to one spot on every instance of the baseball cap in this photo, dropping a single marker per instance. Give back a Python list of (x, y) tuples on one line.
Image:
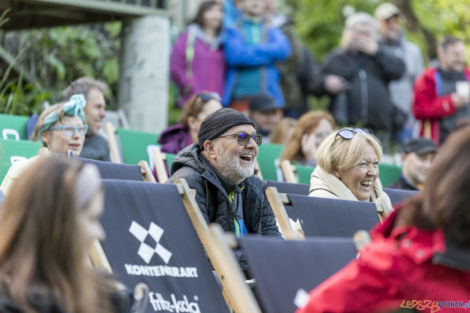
[(420, 146), (262, 103), (386, 11)]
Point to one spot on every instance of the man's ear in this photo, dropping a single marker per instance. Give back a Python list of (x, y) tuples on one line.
[(209, 149), (45, 137)]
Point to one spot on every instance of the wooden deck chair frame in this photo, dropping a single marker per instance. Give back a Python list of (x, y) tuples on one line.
[(277, 201), (159, 159), (236, 293), (116, 155), (289, 172)]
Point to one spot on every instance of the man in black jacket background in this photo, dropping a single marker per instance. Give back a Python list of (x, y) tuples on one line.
[(221, 170), (356, 79)]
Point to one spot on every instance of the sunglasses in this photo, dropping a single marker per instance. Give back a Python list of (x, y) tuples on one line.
[(243, 138), (70, 131), (349, 133), (207, 96)]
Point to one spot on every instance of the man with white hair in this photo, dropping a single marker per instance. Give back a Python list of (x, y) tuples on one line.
[(356, 78)]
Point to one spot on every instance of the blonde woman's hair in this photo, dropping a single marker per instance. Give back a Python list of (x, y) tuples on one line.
[(336, 153)]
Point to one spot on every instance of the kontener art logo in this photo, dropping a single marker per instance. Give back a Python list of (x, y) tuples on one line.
[(150, 241)]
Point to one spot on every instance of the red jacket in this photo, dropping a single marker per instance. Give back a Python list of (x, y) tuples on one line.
[(428, 107), (403, 266)]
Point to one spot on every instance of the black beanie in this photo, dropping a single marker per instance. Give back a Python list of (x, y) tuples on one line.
[(219, 122)]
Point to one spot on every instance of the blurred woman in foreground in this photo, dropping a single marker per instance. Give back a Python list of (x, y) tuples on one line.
[(49, 219)]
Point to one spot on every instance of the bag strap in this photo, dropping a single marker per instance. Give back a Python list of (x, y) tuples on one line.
[(189, 53)]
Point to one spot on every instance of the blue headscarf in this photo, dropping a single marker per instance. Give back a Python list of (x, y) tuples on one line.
[(74, 107)]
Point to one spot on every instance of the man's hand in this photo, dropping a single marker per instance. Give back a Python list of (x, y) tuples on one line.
[(459, 100), (334, 84)]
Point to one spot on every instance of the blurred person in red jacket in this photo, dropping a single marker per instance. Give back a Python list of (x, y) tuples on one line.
[(420, 256), (442, 94)]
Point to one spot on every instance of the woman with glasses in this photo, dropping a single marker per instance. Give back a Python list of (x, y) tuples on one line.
[(197, 58), (178, 136), (418, 259), (348, 169), (49, 220), (312, 128), (61, 128)]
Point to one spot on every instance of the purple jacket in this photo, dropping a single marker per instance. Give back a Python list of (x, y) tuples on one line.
[(207, 71), (174, 139)]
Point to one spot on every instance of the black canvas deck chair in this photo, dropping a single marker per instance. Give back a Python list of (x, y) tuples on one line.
[(289, 188), (154, 234), (109, 170), (294, 267), (320, 217), (398, 195), (286, 270), (150, 239)]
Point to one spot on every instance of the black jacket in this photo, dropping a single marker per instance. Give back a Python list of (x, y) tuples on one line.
[(212, 197), (403, 183), (367, 97)]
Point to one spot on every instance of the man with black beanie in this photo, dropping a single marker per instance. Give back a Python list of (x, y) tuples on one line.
[(221, 170)]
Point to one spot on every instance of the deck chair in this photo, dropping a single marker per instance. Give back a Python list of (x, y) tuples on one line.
[(285, 268), (398, 195), (267, 154), (294, 266), (320, 217), (13, 127), (150, 239), (296, 173), (133, 144), (15, 150), (290, 188), (109, 170)]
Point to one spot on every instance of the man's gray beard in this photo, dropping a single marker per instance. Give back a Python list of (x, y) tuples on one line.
[(230, 168)]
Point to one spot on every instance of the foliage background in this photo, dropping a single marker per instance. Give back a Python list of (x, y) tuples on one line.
[(54, 57)]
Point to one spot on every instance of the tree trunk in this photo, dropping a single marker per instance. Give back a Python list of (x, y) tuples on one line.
[(412, 23)]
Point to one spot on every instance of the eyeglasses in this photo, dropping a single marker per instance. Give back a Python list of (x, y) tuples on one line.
[(349, 133), (207, 96), (243, 138), (69, 131)]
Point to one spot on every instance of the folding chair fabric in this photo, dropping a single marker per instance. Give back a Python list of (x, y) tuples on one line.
[(13, 127), (134, 145), (14, 150), (289, 188), (109, 170), (303, 173), (267, 154), (282, 267), (398, 195), (322, 217), (150, 239), (389, 173)]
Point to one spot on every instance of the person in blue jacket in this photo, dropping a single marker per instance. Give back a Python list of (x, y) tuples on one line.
[(252, 47)]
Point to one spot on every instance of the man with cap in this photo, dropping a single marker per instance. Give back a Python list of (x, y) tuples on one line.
[(394, 42), (220, 168), (264, 111), (416, 159)]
